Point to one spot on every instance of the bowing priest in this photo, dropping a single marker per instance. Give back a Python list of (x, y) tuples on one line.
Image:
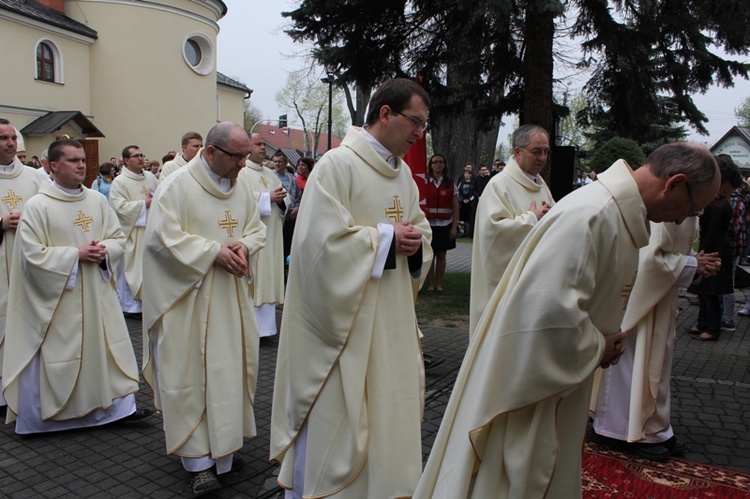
[(633, 401), (512, 203), (516, 419), (191, 144), (273, 205), (201, 344), (17, 184), (69, 362), (130, 196), (348, 397)]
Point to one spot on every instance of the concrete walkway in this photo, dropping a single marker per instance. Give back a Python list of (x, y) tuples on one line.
[(711, 397)]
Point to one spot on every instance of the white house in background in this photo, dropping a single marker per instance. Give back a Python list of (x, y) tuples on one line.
[(736, 143), (114, 72)]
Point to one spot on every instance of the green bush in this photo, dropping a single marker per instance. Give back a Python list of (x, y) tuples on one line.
[(614, 149)]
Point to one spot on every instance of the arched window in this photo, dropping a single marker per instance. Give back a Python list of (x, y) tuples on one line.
[(45, 62)]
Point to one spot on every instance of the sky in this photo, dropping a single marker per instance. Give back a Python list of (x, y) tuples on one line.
[(253, 48)]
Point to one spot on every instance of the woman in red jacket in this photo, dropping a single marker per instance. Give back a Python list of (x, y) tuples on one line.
[(442, 213)]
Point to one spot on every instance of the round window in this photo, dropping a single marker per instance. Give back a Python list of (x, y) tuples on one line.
[(193, 52), (197, 50)]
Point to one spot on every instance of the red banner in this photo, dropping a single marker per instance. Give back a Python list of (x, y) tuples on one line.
[(416, 158)]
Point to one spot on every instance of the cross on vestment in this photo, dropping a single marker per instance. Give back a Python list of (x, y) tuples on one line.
[(626, 290), (12, 199), (145, 191), (396, 211), (83, 221), (264, 181), (228, 223)]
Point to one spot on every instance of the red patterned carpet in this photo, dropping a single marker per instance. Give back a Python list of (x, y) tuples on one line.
[(608, 473)]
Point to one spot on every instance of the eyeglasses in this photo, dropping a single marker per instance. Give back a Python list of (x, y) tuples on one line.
[(234, 156), (694, 211), (538, 151), (418, 123), (139, 155)]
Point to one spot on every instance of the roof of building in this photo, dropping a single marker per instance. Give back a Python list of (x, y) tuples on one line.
[(39, 12), (744, 133), (54, 120), (296, 139), (223, 79)]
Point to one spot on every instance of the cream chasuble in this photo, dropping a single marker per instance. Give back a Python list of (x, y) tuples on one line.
[(82, 341), (16, 187), (268, 282), (349, 363), (515, 422), (197, 316), (501, 223), (650, 319), (126, 196), (172, 166)]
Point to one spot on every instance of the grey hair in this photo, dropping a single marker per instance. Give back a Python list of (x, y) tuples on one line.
[(683, 157), (220, 134), (45, 154), (523, 134)]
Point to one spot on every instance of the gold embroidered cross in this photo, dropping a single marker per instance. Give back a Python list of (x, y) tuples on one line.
[(12, 199), (396, 211), (83, 221), (228, 223), (145, 191), (264, 181), (626, 290)]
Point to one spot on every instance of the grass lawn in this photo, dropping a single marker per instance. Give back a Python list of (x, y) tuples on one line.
[(449, 308)]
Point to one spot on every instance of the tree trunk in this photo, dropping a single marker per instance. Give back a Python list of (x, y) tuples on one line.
[(538, 66)]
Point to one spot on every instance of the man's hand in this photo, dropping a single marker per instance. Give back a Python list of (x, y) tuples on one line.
[(539, 212), (232, 259), (613, 349), (408, 238), (148, 200), (10, 222), (277, 195), (708, 263), (92, 252)]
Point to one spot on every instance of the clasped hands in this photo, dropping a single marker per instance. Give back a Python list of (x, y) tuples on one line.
[(708, 263), (408, 238), (613, 349), (93, 252), (232, 257)]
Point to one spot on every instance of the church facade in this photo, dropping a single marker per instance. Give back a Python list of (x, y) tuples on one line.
[(114, 72)]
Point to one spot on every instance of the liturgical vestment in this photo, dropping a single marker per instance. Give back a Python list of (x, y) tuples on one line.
[(65, 312), (172, 166), (502, 221), (268, 282), (201, 341), (126, 196), (17, 185), (349, 366), (516, 419), (633, 400)]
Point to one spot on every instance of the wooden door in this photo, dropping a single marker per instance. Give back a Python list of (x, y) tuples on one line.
[(91, 148)]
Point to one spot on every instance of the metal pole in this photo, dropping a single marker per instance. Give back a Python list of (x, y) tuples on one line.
[(330, 108)]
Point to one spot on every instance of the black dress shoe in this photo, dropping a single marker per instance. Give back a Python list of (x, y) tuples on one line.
[(652, 452), (138, 415), (676, 447)]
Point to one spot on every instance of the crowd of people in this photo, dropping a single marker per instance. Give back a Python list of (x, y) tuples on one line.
[(200, 251)]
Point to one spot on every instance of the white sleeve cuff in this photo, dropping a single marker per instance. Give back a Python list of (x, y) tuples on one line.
[(264, 204), (386, 237), (688, 272), (72, 277), (141, 222)]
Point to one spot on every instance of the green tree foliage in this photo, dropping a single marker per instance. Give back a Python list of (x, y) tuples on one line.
[(614, 149), (483, 59), (742, 113)]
